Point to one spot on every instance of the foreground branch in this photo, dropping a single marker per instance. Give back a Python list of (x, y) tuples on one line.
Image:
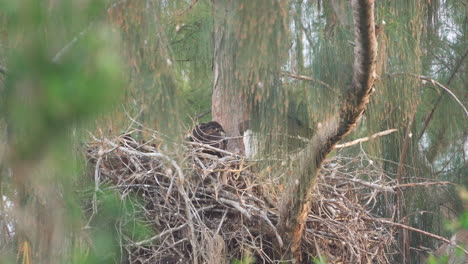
[(296, 201)]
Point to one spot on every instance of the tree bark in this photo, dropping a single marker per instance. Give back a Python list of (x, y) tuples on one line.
[(229, 105), (296, 201)]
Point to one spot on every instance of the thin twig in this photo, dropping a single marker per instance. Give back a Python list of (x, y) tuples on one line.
[(443, 239), (69, 45), (221, 222), (435, 83), (215, 149), (235, 205), (58, 56), (158, 236), (424, 184), (96, 181)]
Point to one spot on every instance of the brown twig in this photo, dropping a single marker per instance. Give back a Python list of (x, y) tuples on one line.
[(424, 184), (443, 239), (306, 78)]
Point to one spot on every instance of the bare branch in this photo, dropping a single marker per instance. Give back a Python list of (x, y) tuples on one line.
[(423, 184), (364, 139), (431, 113), (69, 45), (409, 228), (435, 83), (66, 48)]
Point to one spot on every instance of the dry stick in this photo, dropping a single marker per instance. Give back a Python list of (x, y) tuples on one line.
[(96, 181), (70, 44), (364, 139), (158, 236), (67, 47), (145, 154), (436, 83), (380, 187), (221, 222), (275, 230), (418, 231), (215, 149), (56, 58), (306, 78), (235, 205), (429, 117), (425, 184)]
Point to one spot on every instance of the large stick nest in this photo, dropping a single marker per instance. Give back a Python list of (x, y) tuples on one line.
[(209, 209)]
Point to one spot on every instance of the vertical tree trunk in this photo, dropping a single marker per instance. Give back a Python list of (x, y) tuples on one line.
[(296, 200), (229, 105)]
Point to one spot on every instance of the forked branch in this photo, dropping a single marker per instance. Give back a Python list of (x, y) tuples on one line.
[(296, 201)]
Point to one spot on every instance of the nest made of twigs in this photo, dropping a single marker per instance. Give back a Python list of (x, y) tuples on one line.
[(210, 209)]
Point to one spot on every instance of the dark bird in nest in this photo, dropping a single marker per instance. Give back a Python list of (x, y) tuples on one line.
[(212, 134)]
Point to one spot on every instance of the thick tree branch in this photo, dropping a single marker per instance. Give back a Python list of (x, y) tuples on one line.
[(297, 197)]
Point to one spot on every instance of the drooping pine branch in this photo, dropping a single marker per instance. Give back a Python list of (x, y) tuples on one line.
[(296, 201)]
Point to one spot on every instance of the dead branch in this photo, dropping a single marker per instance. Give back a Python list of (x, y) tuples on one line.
[(435, 83), (364, 139), (69, 45), (306, 78), (443, 239), (423, 184)]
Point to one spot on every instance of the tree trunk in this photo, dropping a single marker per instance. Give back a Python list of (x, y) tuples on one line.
[(229, 105), (296, 201)]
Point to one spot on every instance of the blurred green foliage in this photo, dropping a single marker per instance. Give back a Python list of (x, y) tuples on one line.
[(244, 260), (53, 85)]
